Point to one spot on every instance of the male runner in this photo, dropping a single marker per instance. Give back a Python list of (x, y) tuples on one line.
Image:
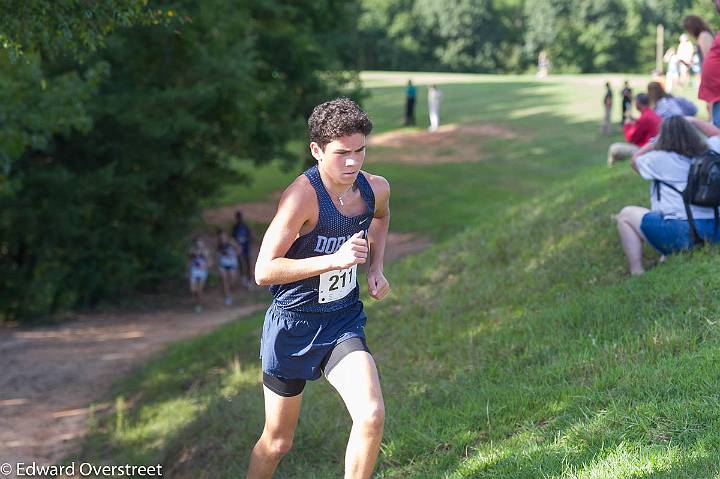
[(329, 220)]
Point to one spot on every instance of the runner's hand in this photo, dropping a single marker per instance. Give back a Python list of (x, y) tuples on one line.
[(353, 251), (377, 284)]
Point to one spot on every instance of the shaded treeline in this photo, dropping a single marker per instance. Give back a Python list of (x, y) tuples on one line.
[(118, 123)]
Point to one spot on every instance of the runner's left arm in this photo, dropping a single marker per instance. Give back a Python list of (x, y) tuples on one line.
[(377, 283)]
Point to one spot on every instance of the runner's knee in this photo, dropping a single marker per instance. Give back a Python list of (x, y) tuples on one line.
[(372, 418), (277, 445)]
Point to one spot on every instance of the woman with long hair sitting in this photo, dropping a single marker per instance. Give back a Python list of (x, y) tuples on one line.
[(667, 162)]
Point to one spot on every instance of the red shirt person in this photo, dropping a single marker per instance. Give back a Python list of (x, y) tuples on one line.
[(710, 79), (640, 131), (637, 132)]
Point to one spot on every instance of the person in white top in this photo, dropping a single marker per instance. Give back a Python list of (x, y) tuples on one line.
[(673, 68), (665, 225), (685, 53), (434, 99)]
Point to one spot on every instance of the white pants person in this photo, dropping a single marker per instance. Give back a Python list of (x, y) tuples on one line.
[(434, 118), (620, 151)]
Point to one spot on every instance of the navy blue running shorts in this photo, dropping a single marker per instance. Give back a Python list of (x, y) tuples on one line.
[(296, 347)]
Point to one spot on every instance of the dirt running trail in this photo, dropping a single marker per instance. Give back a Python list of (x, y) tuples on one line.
[(51, 374)]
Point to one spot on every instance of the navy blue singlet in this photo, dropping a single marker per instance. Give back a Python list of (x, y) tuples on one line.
[(332, 230)]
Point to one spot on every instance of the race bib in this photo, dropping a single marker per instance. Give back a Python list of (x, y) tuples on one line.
[(335, 285)]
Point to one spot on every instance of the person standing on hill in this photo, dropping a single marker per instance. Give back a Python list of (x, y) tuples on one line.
[(607, 105), (701, 32), (434, 99), (627, 98), (330, 219), (685, 53), (543, 65), (673, 68), (410, 95), (710, 77)]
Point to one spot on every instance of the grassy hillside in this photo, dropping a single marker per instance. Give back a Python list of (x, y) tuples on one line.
[(515, 347)]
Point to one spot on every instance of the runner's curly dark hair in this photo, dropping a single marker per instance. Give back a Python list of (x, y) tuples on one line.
[(337, 118)]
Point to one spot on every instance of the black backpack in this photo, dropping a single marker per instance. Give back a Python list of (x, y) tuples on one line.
[(703, 189)]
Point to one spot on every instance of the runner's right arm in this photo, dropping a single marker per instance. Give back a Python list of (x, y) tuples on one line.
[(298, 208)]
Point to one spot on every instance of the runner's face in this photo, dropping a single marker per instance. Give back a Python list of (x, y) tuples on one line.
[(342, 157)]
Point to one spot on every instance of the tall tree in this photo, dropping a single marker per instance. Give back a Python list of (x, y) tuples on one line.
[(113, 154)]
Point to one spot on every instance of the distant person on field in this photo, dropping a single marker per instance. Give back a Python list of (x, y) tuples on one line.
[(685, 53), (607, 105), (667, 105), (627, 99), (710, 78), (242, 234), (543, 64), (665, 225), (410, 96), (199, 263), (637, 132), (434, 99), (227, 263), (673, 68)]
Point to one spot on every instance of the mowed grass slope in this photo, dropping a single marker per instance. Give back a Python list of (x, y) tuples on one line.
[(515, 347)]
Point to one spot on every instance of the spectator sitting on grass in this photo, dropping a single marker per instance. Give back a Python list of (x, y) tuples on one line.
[(637, 132), (665, 225), (667, 105)]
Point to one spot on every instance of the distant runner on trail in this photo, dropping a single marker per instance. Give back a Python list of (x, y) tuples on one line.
[(330, 219), (199, 263)]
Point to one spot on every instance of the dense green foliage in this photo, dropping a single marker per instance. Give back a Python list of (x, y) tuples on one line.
[(70, 25), (507, 35), (107, 157), (516, 347)]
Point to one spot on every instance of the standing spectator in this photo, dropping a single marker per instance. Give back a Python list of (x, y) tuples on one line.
[(685, 53), (410, 94), (199, 258), (710, 79), (242, 234), (701, 32), (607, 105), (665, 225), (637, 132), (673, 68), (434, 98), (703, 35), (627, 98), (543, 65)]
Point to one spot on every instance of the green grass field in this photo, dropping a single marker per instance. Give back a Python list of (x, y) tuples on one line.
[(517, 346)]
